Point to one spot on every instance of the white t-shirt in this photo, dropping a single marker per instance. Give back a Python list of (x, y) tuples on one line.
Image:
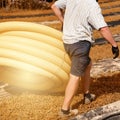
[(80, 16)]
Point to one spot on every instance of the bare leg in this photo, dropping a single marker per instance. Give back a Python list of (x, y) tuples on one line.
[(85, 79), (70, 91), (73, 85)]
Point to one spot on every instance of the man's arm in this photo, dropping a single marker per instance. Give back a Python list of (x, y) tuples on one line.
[(106, 33), (57, 12)]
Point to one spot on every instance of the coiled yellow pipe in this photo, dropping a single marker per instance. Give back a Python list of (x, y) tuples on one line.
[(32, 56), (29, 26)]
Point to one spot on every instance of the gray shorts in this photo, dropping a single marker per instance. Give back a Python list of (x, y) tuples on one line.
[(79, 55)]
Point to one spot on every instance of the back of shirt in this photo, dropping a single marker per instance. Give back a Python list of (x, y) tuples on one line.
[(79, 16)]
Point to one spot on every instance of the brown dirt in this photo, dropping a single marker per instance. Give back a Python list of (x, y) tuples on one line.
[(110, 4), (46, 107), (33, 106), (109, 10)]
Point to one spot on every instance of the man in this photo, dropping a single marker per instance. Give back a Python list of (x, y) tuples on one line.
[(79, 19)]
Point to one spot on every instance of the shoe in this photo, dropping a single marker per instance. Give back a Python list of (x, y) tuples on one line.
[(67, 113), (88, 98)]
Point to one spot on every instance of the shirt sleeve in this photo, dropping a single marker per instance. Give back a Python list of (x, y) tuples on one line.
[(96, 18), (61, 4)]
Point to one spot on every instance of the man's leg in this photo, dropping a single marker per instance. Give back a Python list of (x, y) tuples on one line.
[(70, 91), (85, 79)]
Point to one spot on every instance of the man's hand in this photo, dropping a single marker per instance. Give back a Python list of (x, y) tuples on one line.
[(115, 51)]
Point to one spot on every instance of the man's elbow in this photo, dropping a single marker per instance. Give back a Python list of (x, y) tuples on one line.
[(104, 29), (53, 6)]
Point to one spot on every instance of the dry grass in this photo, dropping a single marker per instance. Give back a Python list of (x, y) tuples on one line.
[(24, 12), (33, 19), (112, 18), (106, 11), (110, 4)]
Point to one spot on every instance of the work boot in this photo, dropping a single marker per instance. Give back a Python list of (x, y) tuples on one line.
[(67, 113), (88, 98)]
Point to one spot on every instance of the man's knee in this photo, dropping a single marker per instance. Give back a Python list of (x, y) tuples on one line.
[(90, 64), (74, 77)]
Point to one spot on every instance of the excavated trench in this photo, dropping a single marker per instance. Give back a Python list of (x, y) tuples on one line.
[(108, 112), (113, 117)]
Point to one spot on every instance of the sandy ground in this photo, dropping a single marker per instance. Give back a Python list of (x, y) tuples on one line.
[(31, 106)]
